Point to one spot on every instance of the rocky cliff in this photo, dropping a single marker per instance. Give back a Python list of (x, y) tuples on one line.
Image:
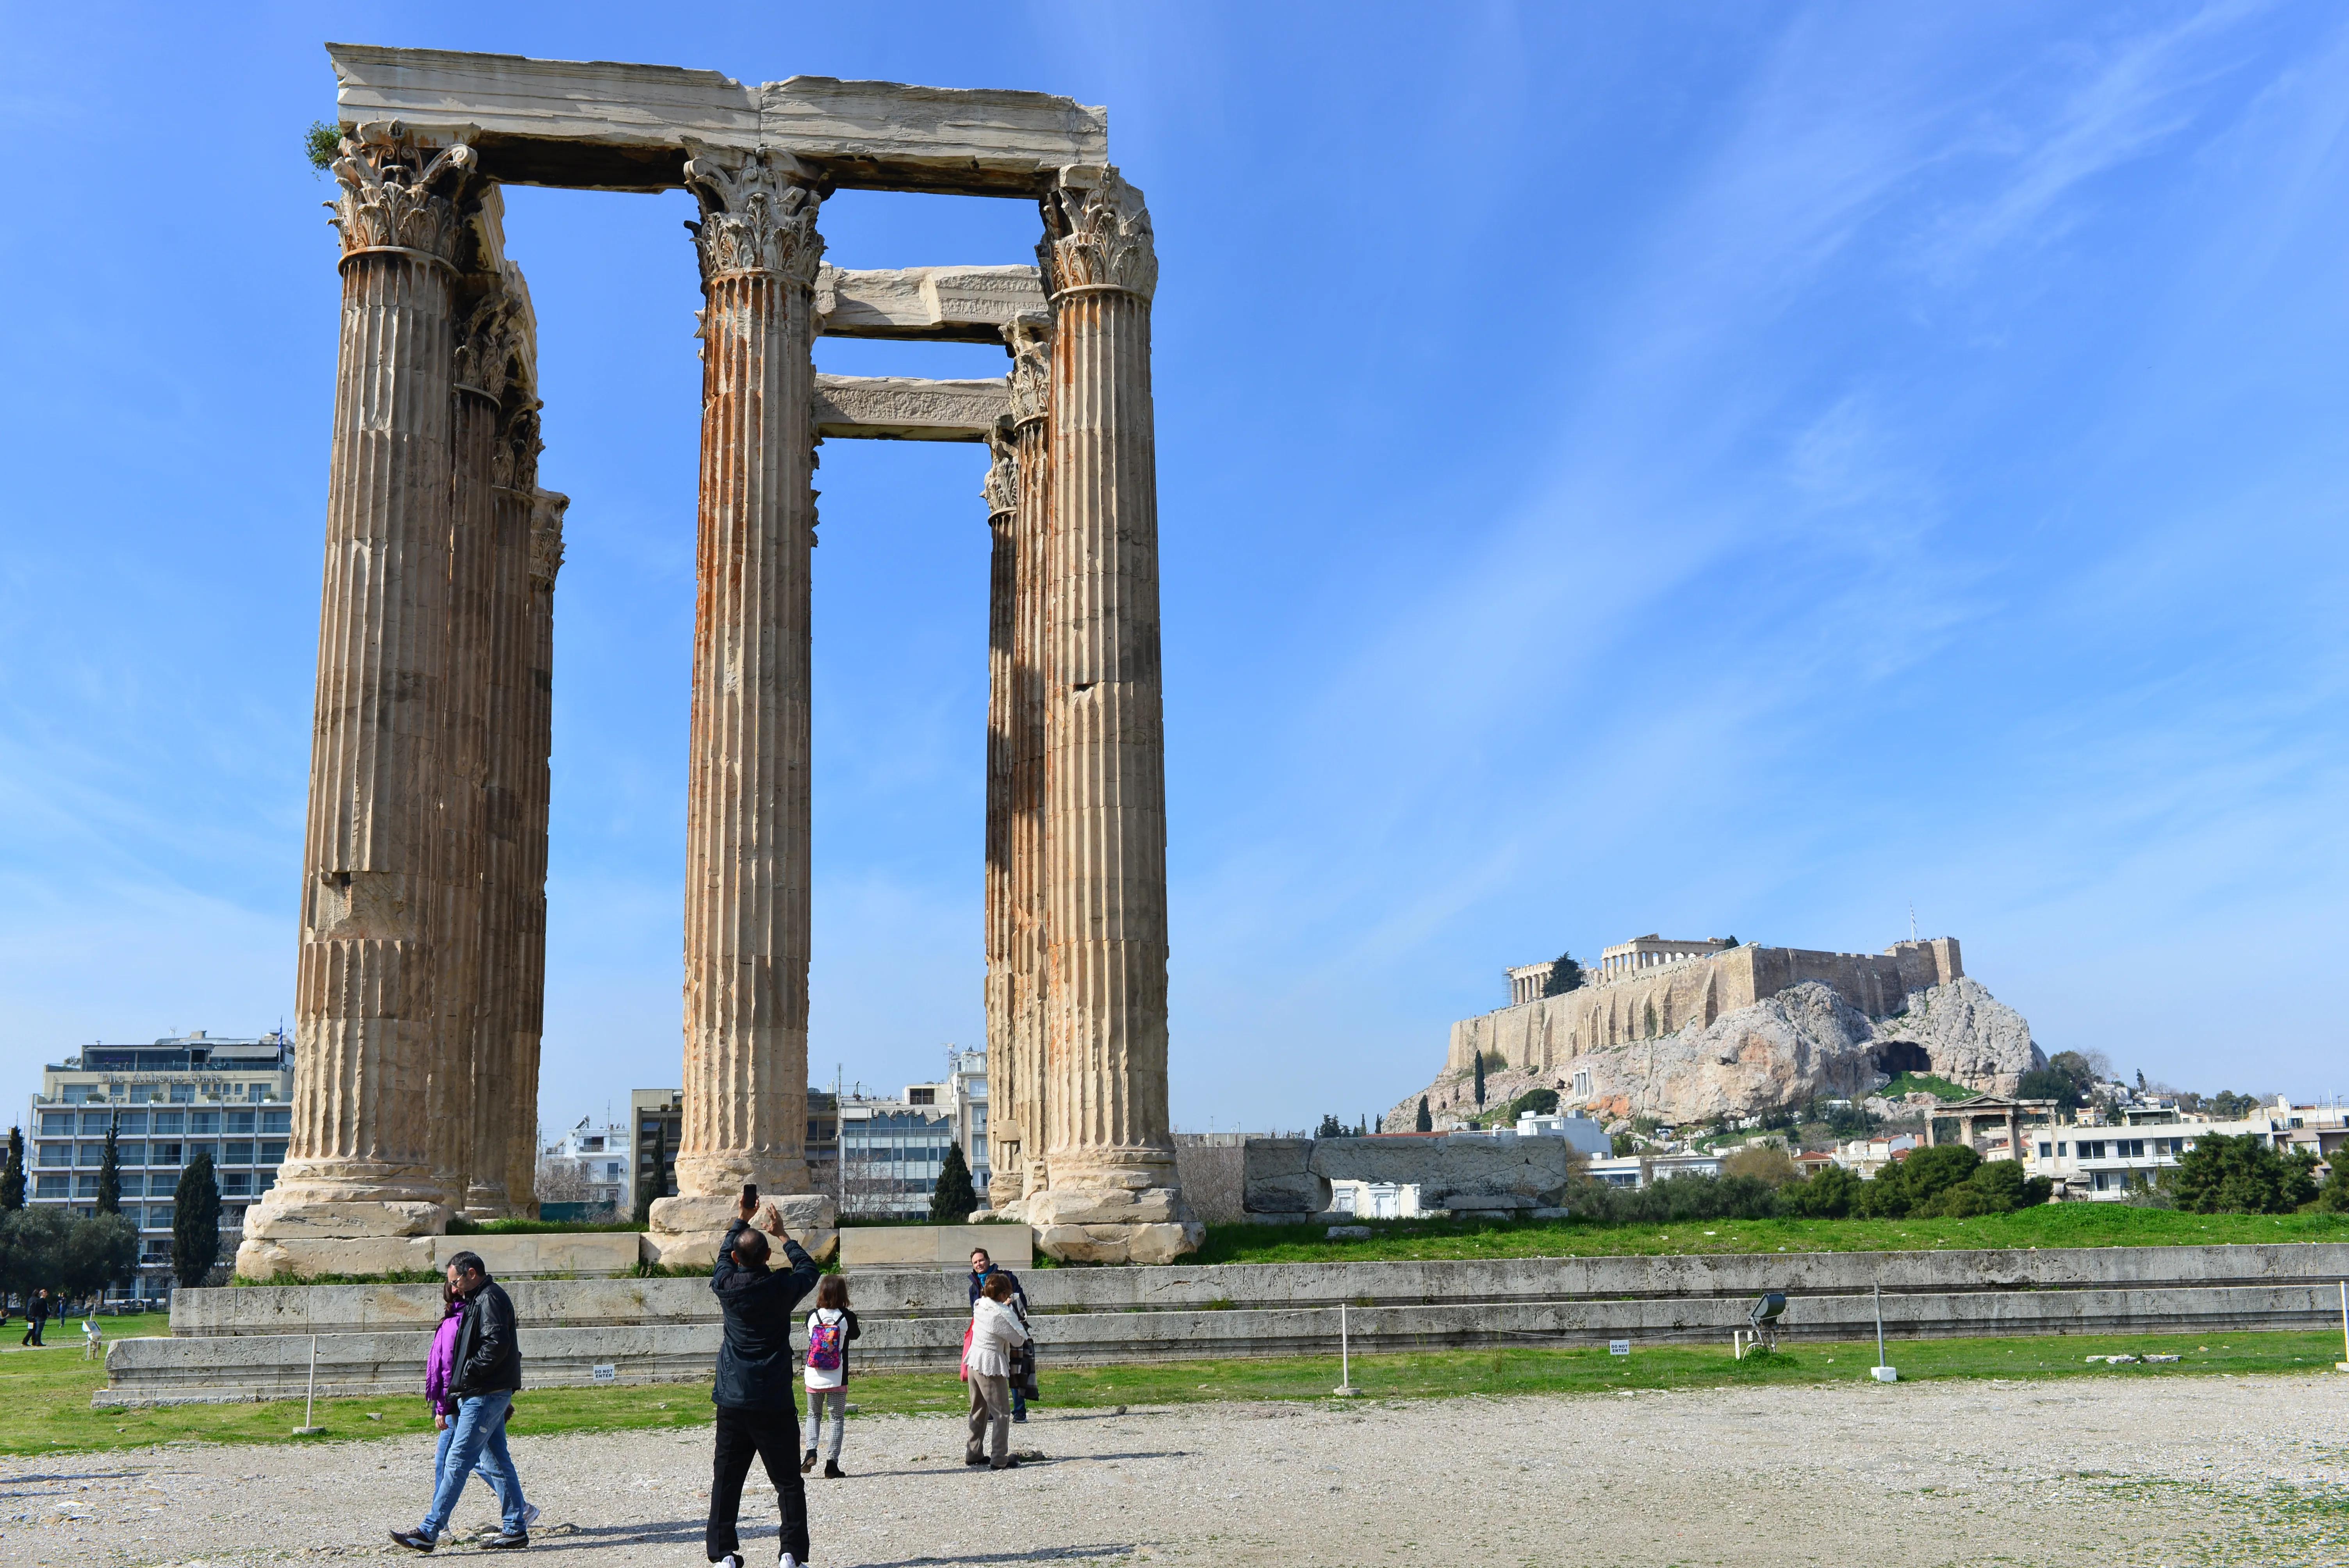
[(1804, 1043)]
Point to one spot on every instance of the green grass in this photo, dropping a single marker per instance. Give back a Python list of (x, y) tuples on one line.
[(2048, 1225), (1926, 1083), (45, 1395)]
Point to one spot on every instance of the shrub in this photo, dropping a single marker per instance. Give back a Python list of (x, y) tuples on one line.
[(2241, 1174), (1766, 1163), (1830, 1194), (1911, 1186), (2332, 1198), (1538, 1101)]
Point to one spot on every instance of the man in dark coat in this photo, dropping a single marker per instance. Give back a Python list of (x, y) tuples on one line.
[(484, 1376), (757, 1394), (36, 1315), (981, 1266)]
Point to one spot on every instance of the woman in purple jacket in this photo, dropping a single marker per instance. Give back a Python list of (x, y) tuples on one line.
[(439, 1370)]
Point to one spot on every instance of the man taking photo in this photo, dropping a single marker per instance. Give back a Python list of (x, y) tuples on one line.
[(757, 1394), (486, 1372)]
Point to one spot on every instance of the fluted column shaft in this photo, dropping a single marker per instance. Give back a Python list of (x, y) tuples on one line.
[(1002, 584), (528, 1027), (370, 897), (746, 904), (1108, 1144)]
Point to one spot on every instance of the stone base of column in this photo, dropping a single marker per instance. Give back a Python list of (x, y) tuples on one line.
[(685, 1230), (1120, 1224), (297, 1240)]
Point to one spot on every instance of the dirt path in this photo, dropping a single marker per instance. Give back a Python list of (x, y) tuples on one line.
[(2132, 1470)]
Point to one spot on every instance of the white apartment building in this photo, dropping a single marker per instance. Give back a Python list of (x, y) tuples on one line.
[(167, 1101), (892, 1151), (2130, 1146), (605, 1159)]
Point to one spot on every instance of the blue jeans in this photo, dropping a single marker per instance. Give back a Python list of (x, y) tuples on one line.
[(476, 1438), (481, 1466)]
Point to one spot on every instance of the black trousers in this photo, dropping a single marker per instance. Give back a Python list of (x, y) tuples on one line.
[(33, 1331), (774, 1437)]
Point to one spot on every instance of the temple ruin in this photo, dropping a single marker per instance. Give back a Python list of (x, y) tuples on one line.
[(423, 928)]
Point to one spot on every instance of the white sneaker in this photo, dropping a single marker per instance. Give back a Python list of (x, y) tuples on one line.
[(731, 1560), (788, 1561)]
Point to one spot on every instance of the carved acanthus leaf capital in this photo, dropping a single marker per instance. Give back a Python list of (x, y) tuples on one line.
[(398, 195), (514, 460), (546, 537), (1029, 338), (489, 342), (1097, 235), (758, 213), (1002, 487)]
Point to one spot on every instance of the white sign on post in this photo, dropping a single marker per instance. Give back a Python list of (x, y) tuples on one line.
[(605, 1372), (1619, 1347)]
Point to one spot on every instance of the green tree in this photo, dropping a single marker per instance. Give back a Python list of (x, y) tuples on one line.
[(1830, 1194), (2047, 1083), (32, 1247), (1565, 974), (1764, 1162), (1619, 1144), (97, 1253), (2239, 1174), (953, 1199), (1914, 1185), (2229, 1106), (1331, 1128), (649, 1187), (12, 1179), (109, 1171), (1480, 1078), (1651, 1020), (1536, 1101), (321, 143), (195, 1223), (2332, 1198), (1423, 1123)]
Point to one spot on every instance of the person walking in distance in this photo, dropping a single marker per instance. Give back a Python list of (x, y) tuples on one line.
[(37, 1316), (982, 1269), (485, 1373), (995, 1334), (830, 1327), (756, 1395)]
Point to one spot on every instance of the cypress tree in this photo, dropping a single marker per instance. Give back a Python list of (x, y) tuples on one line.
[(12, 1179), (195, 1223), (1480, 1078), (109, 1171), (953, 1199), (649, 1187), (1426, 1123)]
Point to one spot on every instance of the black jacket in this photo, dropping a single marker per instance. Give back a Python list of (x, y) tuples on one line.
[(755, 1371), (489, 1355)]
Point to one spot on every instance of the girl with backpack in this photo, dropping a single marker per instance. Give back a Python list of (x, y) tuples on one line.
[(830, 1327)]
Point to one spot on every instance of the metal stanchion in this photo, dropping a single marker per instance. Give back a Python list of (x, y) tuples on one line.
[(1881, 1373), (310, 1401), (2344, 1366), (1345, 1388)]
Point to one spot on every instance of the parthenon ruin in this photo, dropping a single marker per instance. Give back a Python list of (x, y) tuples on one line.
[(423, 911)]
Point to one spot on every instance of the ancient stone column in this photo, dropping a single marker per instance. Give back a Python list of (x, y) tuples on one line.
[(1002, 495), (527, 1029), (1113, 1194), (747, 826), (1015, 1078), (504, 1096), (360, 1172), (484, 358)]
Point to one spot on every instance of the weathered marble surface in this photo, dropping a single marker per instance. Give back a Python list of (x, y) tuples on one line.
[(907, 408), (954, 304), (603, 125)]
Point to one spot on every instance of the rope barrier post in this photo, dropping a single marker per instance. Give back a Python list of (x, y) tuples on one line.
[(2344, 1366), (1345, 1388), (1883, 1373), (310, 1401)]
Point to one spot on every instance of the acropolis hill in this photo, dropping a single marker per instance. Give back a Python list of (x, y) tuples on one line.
[(1685, 1031)]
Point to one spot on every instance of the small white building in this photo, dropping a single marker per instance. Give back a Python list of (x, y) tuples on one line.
[(1637, 1171), (1375, 1199), (605, 1159), (1582, 1134)]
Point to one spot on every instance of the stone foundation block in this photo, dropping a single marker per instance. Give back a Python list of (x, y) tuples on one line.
[(1146, 1244), (344, 1220), (685, 1231), (1107, 1206), (307, 1257)]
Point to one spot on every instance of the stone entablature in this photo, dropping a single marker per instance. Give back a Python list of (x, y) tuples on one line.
[(1543, 1033)]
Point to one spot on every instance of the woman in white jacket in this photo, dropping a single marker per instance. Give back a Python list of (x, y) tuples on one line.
[(995, 1332)]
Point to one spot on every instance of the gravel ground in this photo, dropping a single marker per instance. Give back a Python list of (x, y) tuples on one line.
[(2135, 1471)]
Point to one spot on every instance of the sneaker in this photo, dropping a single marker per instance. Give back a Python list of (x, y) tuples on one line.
[(831, 1470), (807, 1465), (503, 1543), (1021, 1419), (731, 1560), (529, 1516), (1008, 1463), (414, 1540), (787, 1561), (974, 1458)]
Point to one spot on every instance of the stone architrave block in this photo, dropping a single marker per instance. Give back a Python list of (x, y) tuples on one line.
[(960, 305), (1278, 1177), (607, 126), (906, 408)]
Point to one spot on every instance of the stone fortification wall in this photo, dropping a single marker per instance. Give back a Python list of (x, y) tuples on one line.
[(1544, 1035)]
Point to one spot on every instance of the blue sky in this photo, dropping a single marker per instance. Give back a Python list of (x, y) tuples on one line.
[(1701, 470)]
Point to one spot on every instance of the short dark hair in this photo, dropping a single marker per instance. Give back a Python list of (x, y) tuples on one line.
[(982, 1253), (751, 1247), (469, 1262), (997, 1288)]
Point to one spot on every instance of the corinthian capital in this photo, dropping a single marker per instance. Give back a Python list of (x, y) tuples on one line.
[(399, 196), (1002, 487), (546, 511), (514, 460), (1029, 338), (489, 344), (1097, 235), (758, 213)]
